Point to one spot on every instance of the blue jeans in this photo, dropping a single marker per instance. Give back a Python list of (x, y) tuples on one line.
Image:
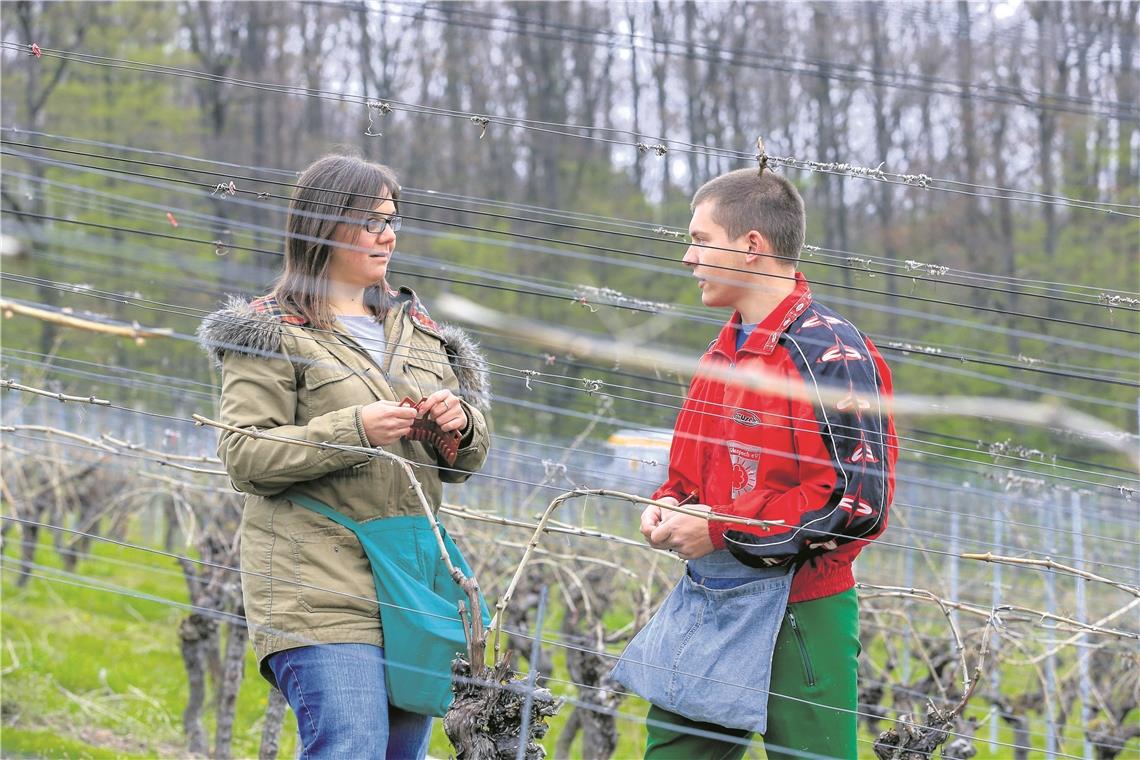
[(338, 693)]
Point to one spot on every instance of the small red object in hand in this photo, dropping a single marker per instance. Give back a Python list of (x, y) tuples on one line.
[(428, 431)]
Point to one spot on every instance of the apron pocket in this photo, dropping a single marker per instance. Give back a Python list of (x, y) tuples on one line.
[(707, 653)]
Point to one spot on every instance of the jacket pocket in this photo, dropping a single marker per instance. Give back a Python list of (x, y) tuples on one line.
[(425, 370), (328, 387), (332, 573)]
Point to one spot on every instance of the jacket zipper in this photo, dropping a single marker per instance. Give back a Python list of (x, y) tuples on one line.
[(808, 672)]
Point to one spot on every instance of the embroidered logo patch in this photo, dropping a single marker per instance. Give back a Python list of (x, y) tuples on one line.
[(745, 463)]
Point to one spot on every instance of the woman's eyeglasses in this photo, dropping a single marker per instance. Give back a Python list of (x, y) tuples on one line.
[(375, 225)]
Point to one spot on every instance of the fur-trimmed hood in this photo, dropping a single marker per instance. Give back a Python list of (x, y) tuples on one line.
[(256, 328), (239, 326), (469, 365)]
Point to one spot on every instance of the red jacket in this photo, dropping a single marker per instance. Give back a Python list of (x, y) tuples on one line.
[(823, 465)]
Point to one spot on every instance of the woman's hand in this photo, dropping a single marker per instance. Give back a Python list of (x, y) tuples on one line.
[(386, 422), (444, 408)]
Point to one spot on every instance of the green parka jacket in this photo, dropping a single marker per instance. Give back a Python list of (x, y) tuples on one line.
[(306, 579)]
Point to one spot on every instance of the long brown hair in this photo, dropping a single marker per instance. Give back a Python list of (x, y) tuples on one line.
[(334, 190)]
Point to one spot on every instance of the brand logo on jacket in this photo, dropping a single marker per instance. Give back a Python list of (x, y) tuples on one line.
[(840, 352), (819, 320), (863, 453), (851, 401), (856, 506), (746, 418)]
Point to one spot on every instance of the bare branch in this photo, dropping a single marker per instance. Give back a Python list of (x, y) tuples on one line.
[(139, 334), (1049, 564), (13, 385)]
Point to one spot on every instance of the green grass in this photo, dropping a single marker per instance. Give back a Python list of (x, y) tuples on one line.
[(89, 673)]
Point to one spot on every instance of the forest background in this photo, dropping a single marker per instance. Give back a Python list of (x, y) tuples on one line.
[(1039, 97)]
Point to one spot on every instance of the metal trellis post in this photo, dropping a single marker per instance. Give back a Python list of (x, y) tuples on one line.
[(532, 677)]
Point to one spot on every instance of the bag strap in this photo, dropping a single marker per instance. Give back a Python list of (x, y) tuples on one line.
[(321, 508)]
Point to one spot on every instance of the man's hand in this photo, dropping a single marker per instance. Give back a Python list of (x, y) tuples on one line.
[(686, 535), (654, 516)]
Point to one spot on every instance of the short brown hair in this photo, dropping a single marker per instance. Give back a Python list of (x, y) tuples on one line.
[(767, 203), (332, 190)]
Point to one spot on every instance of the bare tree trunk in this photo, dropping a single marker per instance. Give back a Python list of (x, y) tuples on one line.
[(271, 728), (214, 32), (233, 669), (1021, 736), (196, 631), (883, 120), (825, 135), (590, 670), (739, 93), (254, 56), (713, 132), (1078, 180), (455, 74), (971, 237), (929, 63), (635, 93), (31, 536), (170, 532), (1127, 172), (40, 87), (661, 79), (1005, 227), (692, 91), (312, 43), (1046, 16), (570, 731)]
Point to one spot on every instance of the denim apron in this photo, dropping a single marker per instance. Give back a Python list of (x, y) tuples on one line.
[(418, 599), (707, 652)]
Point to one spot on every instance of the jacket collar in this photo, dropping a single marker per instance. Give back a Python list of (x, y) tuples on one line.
[(767, 334)]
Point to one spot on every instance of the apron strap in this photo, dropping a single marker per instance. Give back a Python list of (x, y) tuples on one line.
[(321, 508)]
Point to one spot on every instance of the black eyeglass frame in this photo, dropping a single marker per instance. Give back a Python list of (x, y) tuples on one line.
[(375, 225)]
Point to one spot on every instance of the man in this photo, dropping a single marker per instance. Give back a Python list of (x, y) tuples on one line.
[(804, 439)]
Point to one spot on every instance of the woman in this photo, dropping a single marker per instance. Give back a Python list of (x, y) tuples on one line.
[(328, 356)]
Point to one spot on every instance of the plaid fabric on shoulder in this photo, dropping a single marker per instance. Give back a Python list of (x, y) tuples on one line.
[(417, 312), (269, 306), (416, 308)]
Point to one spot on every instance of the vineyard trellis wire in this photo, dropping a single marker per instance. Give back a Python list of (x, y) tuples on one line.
[(963, 498)]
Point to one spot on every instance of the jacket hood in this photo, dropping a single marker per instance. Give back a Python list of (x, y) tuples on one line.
[(240, 327), (469, 365), (248, 327)]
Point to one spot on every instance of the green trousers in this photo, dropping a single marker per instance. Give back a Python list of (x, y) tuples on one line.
[(811, 710)]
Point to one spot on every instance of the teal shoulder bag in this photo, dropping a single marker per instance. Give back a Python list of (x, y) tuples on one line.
[(419, 610)]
